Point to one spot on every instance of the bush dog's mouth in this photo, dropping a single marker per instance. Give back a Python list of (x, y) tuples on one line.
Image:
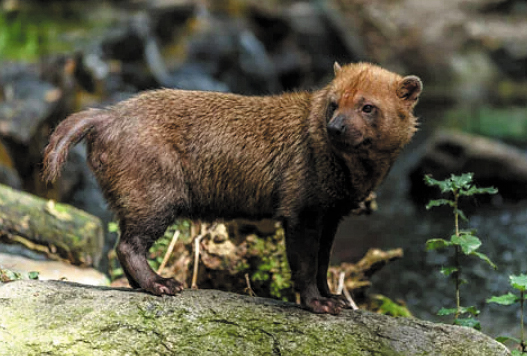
[(340, 142)]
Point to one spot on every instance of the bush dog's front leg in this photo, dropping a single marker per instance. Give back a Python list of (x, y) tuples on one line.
[(302, 246), (329, 229)]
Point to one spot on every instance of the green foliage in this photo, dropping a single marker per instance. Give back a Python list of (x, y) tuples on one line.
[(37, 30), (463, 310), (157, 251), (460, 185), (389, 307), (8, 275), (19, 39), (113, 227), (273, 267), (508, 122), (469, 322), (33, 275), (518, 282), (463, 241)]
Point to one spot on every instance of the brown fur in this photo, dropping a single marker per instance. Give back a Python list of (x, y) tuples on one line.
[(304, 158)]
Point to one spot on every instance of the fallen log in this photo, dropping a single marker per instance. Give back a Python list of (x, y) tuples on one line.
[(59, 231)]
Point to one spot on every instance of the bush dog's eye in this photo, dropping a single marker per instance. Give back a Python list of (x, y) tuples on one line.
[(332, 106), (367, 108)]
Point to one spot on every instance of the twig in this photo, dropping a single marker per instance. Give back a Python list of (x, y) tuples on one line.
[(169, 251), (340, 285), (249, 289), (522, 301), (348, 297), (197, 241), (298, 300), (341, 289)]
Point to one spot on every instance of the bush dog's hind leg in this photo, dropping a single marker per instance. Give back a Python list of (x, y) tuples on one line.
[(132, 248), (302, 246)]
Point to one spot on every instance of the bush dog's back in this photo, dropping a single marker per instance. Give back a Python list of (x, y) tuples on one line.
[(305, 159)]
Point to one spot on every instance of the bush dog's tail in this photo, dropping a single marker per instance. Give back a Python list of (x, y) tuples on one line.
[(69, 132)]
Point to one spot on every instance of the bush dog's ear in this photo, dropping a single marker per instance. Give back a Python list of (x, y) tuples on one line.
[(336, 68), (409, 89)]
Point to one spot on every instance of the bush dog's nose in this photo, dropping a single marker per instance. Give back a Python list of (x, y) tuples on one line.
[(336, 126)]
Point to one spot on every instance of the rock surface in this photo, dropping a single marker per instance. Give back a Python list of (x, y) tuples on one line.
[(60, 318)]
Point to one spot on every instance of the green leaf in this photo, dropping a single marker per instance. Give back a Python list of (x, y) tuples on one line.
[(471, 310), (466, 241), (113, 227), (447, 271), (444, 185), (468, 322), (439, 202), (504, 339), (8, 275), (484, 258), (517, 353), (33, 275), (435, 244), (506, 299), (474, 190), (461, 182), (519, 282), (447, 311)]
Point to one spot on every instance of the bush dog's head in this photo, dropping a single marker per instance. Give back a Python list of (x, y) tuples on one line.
[(370, 109)]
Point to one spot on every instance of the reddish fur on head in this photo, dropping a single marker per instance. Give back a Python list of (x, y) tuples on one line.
[(372, 107)]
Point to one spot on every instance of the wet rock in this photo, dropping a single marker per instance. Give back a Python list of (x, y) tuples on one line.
[(319, 34), (27, 102), (493, 164), (8, 175), (431, 38), (29, 105), (123, 43), (270, 25), (195, 77), (169, 16), (255, 62), (505, 7), (230, 54)]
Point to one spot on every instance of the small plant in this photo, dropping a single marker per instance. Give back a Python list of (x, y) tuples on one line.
[(273, 269), (9, 276), (520, 284), (463, 241)]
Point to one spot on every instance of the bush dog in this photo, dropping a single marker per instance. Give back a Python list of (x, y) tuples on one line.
[(305, 158)]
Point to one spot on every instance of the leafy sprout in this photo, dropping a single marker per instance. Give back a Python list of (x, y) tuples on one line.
[(463, 241)]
